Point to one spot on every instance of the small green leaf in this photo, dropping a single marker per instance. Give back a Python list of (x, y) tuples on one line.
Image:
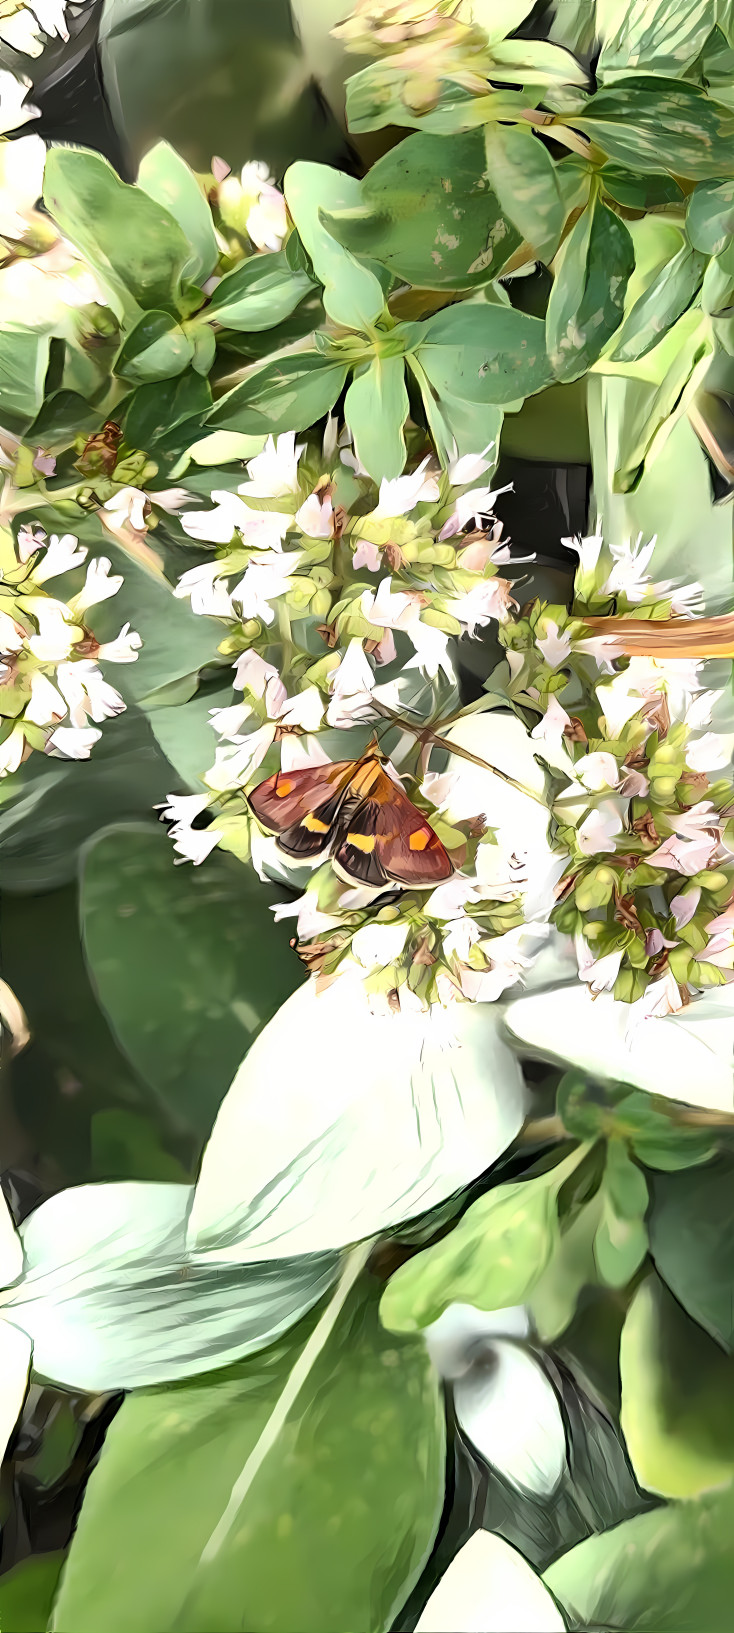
[(639, 192), (166, 177), (524, 178), (581, 1116), (259, 294), (456, 425), (661, 126), (23, 365), (677, 1397), (587, 299), (353, 296), (156, 349), (664, 301), (620, 1245), (624, 1182), (484, 354), (132, 244), (553, 1300), (288, 394), (491, 1259), (710, 216), (376, 408)]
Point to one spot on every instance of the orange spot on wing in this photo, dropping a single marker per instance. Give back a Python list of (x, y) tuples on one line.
[(420, 839), (283, 787), (362, 842), (315, 825)]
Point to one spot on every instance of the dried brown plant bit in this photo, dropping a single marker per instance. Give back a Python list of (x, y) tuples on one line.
[(645, 829)]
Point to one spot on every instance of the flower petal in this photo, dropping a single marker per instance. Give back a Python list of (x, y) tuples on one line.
[(686, 1056), (341, 1123), (110, 1301), (490, 1588), (508, 1408), (15, 1360), (454, 1340)]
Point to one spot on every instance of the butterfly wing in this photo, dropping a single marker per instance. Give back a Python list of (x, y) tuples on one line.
[(386, 837), (302, 806)]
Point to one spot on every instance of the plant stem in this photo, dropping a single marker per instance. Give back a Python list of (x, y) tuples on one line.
[(548, 1129)]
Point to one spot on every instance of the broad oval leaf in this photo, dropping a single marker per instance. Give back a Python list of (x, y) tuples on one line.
[(288, 394), (692, 1242), (376, 408), (23, 365), (638, 192), (132, 244), (259, 294), (587, 299), (210, 930), (310, 1547), (660, 125), (664, 301), (166, 177), (484, 354), (456, 425), (156, 349), (523, 176), (710, 216), (426, 212), (353, 296), (653, 37)]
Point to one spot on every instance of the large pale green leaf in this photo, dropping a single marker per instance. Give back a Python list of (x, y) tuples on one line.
[(23, 365), (134, 246), (353, 296), (671, 1571), (664, 301), (187, 963), (331, 1496), (259, 294), (587, 298), (638, 192), (156, 349), (710, 216), (524, 178), (692, 1243), (166, 177), (454, 422), (651, 36), (376, 408), (677, 1398), (485, 354), (658, 410), (288, 394), (426, 212), (661, 125)]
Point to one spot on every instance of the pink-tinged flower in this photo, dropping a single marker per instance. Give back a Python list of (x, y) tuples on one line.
[(659, 999), (273, 473), (380, 606), (491, 599), (399, 496), (45, 464), (599, 830), (72, 743), (316, 517), (477, 554), (634, 784), (124, 649), (385, 651), (683, 907), (554, 646), (367, 555), (29, 540), (599, 974), (598, 771), (207, 590), (469, 467), (684, 856)]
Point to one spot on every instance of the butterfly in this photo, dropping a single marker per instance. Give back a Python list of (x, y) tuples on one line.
[(353, 810)]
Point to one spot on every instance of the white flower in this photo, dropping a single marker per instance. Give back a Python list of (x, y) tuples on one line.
[(478, 606), (311, 921), (265, 580), (12, 634), (274, 473), (598, 771), (380, 606), (98, 586), (377, 945), (316, 517), (472, 507), (599, 829), (510, 956), (554, 646), (228, 723), (124, 648), (399, 496), (322, 1157), (431, 649), (194, 844), (588, 550), (619, 703), (46, 705), (629, 575), (306, 709), (352, 686), (72, 742), (54, 640), (87, 693), (459, 936), (503, 1397), (14, 111), (207, 590), (253, 674), (232, 766), (11, 751), (469, 467), (686, 1055), (367, 555), (128, 505), (61, 555), (182, 807), (599, 974), (490, 1588), (710, 752), (550, 733), (21, 183)]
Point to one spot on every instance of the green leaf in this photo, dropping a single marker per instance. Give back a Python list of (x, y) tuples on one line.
[(624, 1182), (654, 37), (524, 178), (581, 1116), (639, 192), (125, 1145), (210, 930), (353, 296), (259, 294), (454, 423), (427, 214), (165, 417), (620, 1245), (133, 245), (288, 394), (572, 1268), (156, 349), (484, 354), (660, 125), (309, 1545), (677, 1398), (376, 408), (692, 1242), (492, 1258), (657, 1140), (652, 417), (587, 298), (27, 1593), (60, 418), (667, 1572), (166, 177), (664, 301), (23, 365), (710, 216)]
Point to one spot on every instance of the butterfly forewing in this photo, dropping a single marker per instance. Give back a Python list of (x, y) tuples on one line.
[(386, 837), (302, 807)]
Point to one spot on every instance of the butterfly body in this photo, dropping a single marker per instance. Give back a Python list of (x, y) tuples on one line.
[(352, 810)]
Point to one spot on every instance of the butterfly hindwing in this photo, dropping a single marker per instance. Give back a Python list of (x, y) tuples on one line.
[(302, 806), (386, 837)]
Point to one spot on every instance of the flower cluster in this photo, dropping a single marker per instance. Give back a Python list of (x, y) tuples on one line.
[(51, 686)]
